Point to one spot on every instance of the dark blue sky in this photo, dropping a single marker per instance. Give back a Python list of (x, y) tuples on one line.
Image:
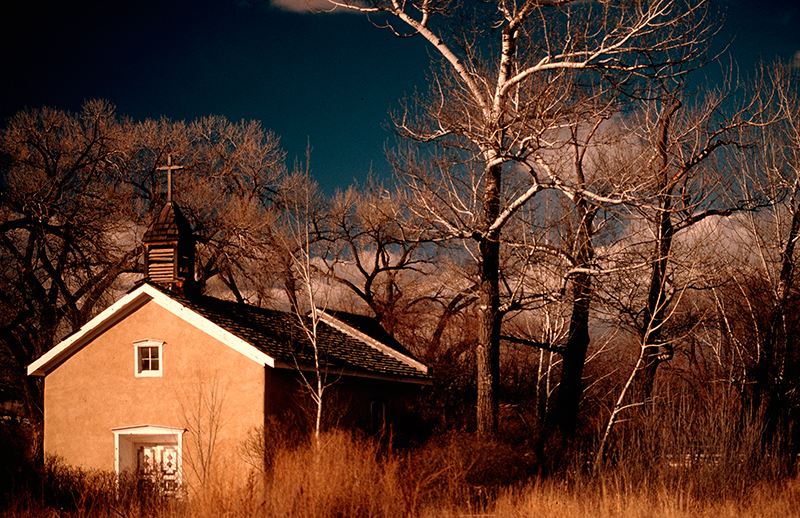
[(330, 79)]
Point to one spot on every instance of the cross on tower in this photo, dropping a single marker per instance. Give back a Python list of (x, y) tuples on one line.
[(168, 168)]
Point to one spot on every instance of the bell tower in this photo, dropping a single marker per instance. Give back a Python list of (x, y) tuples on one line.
[(169, 245)]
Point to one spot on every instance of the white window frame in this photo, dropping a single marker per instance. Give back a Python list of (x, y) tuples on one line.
[(137, 347)]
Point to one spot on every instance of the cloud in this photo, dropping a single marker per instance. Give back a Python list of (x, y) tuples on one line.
[(306, 6)]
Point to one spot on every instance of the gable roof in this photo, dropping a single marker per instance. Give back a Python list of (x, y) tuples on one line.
[(272, 338)]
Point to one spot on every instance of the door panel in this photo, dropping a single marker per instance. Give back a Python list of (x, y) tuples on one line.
[(158, 467)]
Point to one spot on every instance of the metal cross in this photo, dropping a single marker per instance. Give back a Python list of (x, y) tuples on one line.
[(168, 168)]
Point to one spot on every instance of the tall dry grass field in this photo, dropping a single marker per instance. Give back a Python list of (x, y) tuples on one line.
[(456, 477)]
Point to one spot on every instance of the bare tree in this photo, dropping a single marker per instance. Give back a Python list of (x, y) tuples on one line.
[(62, 241), (687, 176), (78, 191), (298, 238), (203, 415), (579, 252), (758, 309), (374, 251), (229, 188), (510, 72), (690, 172)]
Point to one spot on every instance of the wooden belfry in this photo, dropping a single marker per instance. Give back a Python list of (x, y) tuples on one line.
[(169, 243)]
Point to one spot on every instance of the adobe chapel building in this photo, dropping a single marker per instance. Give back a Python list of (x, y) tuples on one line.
[(141, 387)]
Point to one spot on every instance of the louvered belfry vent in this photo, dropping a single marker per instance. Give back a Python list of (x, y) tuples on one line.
[(161, 263), (169, 249)]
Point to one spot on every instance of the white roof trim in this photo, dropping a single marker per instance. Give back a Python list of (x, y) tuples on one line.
[(375, 344), (202, 323), (147, 429), (111, 315), (124, 307)]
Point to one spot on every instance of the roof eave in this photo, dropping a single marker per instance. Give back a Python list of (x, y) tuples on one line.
[(95, 327), (352, 373)]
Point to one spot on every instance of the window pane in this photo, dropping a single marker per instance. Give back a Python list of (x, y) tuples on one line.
[(148, 359)]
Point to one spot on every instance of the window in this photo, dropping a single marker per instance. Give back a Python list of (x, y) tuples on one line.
[(149, 360), (377, 414)]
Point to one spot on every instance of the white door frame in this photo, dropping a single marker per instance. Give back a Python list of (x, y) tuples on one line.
[(127, 438)]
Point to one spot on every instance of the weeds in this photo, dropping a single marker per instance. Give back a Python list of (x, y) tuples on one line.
[(454, 476)]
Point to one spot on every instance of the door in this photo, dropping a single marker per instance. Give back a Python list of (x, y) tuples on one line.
[(157, 465)]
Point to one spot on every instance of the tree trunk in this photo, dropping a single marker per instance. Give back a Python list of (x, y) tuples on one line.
[(653, 321), (565, 413), (564, 417), (770, 386), (488, 349), (34, 400)]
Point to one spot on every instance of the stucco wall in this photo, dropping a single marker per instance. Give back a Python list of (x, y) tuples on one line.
[(347, 401), (95, 390)]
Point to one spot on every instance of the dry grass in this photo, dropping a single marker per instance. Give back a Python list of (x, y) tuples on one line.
[(610, 500), (456, 477)]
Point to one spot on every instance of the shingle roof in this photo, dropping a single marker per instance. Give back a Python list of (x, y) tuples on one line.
[(169, 225), (280, 335), (370, 327)]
